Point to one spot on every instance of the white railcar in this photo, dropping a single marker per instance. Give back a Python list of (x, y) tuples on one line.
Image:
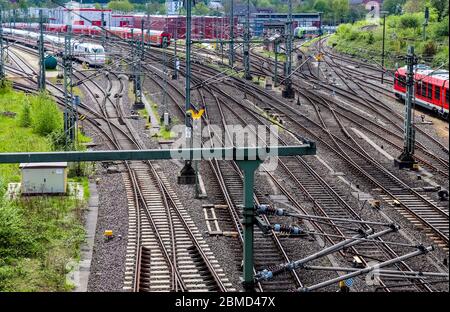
[(90, 53)]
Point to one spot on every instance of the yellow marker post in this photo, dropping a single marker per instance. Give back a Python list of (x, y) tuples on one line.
[(108, 234), (196, 115)]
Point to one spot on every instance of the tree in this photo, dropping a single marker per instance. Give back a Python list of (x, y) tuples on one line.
[(200, 9), (322, 6), (121, 5), (441, 6), (409, 21), (22, 4), (263, 3), (156, 7), (5, 4), (414, 6), (393, 6), (341, 9)]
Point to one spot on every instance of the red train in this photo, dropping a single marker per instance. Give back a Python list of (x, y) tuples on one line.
[(154, 37), (431, 89)]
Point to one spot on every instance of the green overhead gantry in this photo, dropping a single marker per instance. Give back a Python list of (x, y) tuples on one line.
[(248, 159)]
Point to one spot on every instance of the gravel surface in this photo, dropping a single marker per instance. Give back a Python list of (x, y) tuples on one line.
[(108, 262)]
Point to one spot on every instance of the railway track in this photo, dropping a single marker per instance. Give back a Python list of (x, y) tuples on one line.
[(421, 208), (143, 253), (372, 253), (230, 182), (194, 259), (170, 235), (419, 200), (329, 203), (188, 259)]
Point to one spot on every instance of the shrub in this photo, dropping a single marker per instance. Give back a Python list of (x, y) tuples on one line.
[(5, 86), (370, 39), (343, 29), (14, 239), (441, 29), (429, 48), (46, 117), (25, 115), (353, 35), (57, 139), (409, 21), (441, 57)]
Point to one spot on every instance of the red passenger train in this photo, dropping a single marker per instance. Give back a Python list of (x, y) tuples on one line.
[(154, 37), (430, 89)]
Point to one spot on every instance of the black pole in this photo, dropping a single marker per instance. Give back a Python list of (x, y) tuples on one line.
[(288, 91), (406, 159), (232, 34), (383, 47), (188, 174), (176, 62), (41, 78), (248, 76), (2, 70)]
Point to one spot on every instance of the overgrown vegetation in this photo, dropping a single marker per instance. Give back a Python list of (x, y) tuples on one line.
[(364, 38), (13, 136), (270, 54), (39, 236)]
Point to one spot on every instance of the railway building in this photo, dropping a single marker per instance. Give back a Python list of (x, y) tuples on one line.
[(261, 22), (81, 16), (122, 20)]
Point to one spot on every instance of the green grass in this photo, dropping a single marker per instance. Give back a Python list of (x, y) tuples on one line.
[(163, 133), (38, 235), (84, 181), (77, 91), (270, 54), (47, 236), (143, 113), (311, 42), (14, 138), (166, 134)]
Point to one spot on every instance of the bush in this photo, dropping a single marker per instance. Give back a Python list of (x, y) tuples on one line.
[(370, 39), (5, 86), (441, 58), (57, 139), (343, 29), (14, 239), (409, 21), (429, 48), (441, 29), (25, 115), (353, 35), (46, 117)]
